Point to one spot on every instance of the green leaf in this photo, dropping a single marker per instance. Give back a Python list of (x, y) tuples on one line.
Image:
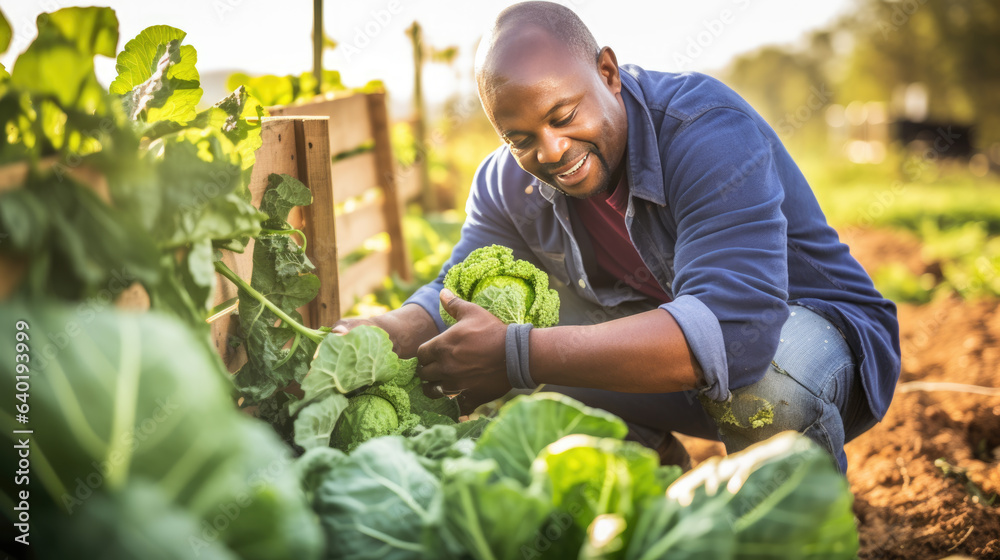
[(316, 422), (237, 108), (94, 30), (157, 76), (200, 177), (5, 34), (199, 273), (782, 498), (136, 62), (351, 361), (314, 465), (528, 423), (594, 479), (283, 193), (282, 273), (126, 398), (607, 475), (137, 522), (79, 246), (269, 90), (489, 517), (60, 61), (376, 503)]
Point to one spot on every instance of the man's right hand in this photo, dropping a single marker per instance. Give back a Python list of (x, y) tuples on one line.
[(408, 327)]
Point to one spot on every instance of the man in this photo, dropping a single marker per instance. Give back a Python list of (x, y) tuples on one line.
[(702, 290)]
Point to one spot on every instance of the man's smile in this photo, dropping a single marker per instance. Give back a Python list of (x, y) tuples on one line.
[(576, 173)]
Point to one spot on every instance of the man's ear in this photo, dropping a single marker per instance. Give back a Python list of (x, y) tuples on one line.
[(607, 66)]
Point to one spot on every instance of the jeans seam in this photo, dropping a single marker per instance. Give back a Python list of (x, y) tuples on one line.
[(826, 434)]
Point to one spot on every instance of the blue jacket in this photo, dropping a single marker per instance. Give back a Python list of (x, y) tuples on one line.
[(724, 220)]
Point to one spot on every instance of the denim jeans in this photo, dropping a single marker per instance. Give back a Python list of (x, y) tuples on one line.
[(812, 387)]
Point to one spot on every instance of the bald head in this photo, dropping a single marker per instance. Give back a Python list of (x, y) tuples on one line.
[(554, 97), (530, 25)]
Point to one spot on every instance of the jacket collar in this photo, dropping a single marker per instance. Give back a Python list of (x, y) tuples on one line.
[(644, 172)]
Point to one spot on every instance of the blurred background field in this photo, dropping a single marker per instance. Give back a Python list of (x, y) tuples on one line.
[(891, 111)]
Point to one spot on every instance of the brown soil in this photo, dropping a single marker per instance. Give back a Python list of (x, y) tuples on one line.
[(907, 508)]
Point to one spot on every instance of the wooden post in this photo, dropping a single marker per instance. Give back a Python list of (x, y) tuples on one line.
[(312, 141), (318, 44), (386, 166), (428, 196)]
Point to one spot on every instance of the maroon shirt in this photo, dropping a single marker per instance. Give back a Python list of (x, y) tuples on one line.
[(603, 216)]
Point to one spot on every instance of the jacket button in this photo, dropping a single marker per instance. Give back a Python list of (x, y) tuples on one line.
[(582, 283)]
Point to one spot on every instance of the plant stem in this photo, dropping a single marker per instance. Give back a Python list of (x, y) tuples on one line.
[(286, 232), (312, 334)]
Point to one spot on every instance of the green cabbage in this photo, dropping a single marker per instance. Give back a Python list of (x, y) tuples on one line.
[(515, 291)]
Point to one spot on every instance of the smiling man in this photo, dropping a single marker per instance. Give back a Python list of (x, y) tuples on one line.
[(702, 290)]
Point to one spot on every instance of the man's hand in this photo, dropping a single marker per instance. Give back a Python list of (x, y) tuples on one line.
[(408, 328), (468, 358)]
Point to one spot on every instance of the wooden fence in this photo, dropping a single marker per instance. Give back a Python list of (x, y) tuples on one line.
[(340, 149)]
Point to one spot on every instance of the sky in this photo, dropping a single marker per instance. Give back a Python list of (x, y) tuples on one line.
[(268, 37)]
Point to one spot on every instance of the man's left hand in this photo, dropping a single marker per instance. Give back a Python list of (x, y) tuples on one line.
[(467, 358)]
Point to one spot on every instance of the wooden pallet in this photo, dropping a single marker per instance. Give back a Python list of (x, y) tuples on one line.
[(365, 188)]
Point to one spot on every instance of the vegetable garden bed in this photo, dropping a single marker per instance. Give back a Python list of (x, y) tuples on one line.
[(138, 449)]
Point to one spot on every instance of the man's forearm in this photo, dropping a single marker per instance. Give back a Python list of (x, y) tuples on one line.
[(408, 328), (643, 353)]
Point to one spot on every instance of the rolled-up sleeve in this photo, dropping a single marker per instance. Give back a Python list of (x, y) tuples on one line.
[(730, 262)]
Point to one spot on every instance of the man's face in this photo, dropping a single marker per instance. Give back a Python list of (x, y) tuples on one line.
[(562, 117)]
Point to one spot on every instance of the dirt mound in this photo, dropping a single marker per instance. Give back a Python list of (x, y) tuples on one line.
[(906, 504), (874, 248)]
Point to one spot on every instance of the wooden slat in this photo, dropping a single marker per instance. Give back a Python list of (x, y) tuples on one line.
[(227, 325), (313, 142), (12, 271), (398, 261), (13, 175), (275, 155), (353, 176), (348, 126), (357, 226), (409, 184), (363, 277)]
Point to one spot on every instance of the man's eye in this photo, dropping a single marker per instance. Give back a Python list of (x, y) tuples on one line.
[(566, 121), (519, 145)]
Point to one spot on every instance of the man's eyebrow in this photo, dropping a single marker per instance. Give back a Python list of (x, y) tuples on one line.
[(558, 105)]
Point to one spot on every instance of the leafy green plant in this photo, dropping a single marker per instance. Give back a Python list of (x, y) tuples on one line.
[(781, 498), (175, 176), (513, 290), (274, 90), (137, 450), (348, 378), (569, 486)]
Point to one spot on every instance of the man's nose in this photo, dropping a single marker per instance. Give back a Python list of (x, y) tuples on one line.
[(552, 147)]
